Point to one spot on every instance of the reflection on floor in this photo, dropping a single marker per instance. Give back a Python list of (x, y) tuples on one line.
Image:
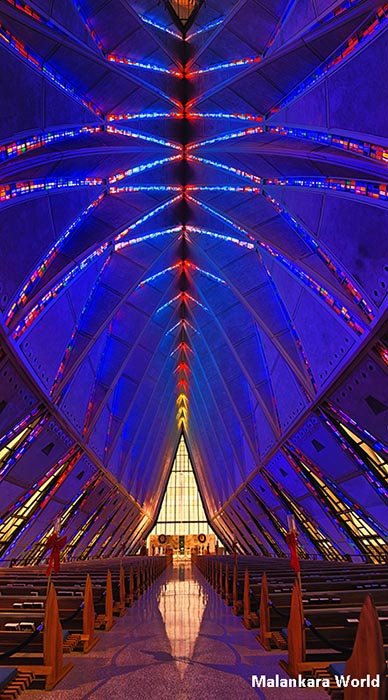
[(182, 602), (179, 642)]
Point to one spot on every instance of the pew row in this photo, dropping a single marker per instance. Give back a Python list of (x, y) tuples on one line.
[(48, 663)]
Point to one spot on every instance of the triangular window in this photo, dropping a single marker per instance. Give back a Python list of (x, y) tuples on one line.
[(182, 511), (183, 12)]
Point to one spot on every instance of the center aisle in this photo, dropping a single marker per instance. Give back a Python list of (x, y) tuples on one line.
[(178, 642)]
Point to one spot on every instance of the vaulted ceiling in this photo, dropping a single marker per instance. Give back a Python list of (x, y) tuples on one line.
[(193, 238)]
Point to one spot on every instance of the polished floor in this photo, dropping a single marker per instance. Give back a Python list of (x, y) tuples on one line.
[(179, 642)]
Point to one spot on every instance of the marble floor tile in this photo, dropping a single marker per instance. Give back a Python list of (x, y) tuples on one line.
[(178, 642)]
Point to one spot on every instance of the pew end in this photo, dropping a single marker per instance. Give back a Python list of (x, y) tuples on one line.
[(360, 664), (296, 635), (53, 669), (264, 637), (250, 619), (88, 638)]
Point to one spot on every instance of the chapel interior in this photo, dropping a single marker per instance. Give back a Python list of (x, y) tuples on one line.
[(193, 349)]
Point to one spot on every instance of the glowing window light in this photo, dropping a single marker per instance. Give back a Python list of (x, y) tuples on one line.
[(177, 325), (182, 297), (29, 143), (151, 278), (52, 75), (143, 137), (84, 528), (11, 450), (356, 187), (183, 384), (382, 352), (21, 514), (53, 293), (345, 143), (89, 27), (223, 188), (144, 188), (227, 168), (207, 274), (228, 64), (225, 115), (348, 47), (369, 535), (219, 216), (220, 236), (182, 347), (343, 418), (21, 425), (148, 216), (178, 297), (124, 60), (186, 295), (212, 25), (18, 189), (345, 282), (328, 298), (36, 550), (129, 116), (227, 137), (142, 168), (49, 257), (27, 10), (315, 534), (342, 7), (183, 323), (147, 237), (370, 462), (279, 26), (153, 23), (183, 366)]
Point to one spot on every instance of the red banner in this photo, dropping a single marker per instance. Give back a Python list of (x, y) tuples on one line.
[(54, 543), (291, 541)]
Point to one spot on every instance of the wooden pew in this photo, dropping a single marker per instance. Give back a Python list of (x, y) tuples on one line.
[(237, 604), (88, 618), (368, 657), (50, 664), (226, 588), (264, 637), (333, 617), (119, 606), (250, 618)]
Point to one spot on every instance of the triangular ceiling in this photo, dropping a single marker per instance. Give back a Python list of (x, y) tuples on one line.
[(194, 238)]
